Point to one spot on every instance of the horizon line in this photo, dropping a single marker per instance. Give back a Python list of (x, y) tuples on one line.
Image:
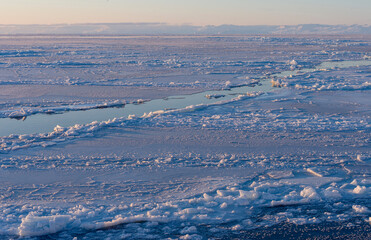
[(185, 24)]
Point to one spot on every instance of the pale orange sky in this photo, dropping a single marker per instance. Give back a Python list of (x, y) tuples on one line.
[(195, 12)]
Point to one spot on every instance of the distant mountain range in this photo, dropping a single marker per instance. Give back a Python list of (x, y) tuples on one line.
[(160, 28)]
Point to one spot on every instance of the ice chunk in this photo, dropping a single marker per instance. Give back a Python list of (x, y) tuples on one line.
[(189, 230), (58, 129), (309, 192), (359, 190), (354, 182), (223, 205), (38, 226), (131, 116), (360, 209), (277, 83), (251, 195), (237, 227), (359, 158), (311, 171), (207, 197), (331, 193), (191, 237), (221, 193)]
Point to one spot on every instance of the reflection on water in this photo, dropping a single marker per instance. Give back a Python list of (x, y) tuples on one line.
[(42, 123)]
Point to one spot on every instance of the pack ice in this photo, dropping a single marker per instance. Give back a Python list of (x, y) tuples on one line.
[(292, 150)]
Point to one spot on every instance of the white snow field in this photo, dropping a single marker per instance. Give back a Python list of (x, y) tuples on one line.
[(185, 137)]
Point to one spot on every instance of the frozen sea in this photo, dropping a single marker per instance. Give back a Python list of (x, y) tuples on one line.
[(185, 137)]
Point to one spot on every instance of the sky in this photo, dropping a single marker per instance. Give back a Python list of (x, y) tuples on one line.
[(193, 12)]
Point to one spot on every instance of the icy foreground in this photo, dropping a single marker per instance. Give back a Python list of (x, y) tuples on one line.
[(298, 154)]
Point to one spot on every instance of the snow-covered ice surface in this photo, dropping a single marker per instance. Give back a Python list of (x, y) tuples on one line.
[(296, 155)]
